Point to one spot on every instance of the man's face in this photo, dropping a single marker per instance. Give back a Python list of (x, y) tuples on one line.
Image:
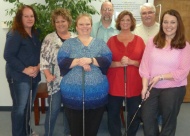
[(148, 16), (107, 11)]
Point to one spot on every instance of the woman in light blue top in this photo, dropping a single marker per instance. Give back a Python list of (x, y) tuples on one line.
[(85, 58)]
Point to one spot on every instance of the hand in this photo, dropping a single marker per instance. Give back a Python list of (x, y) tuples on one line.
[(50, 78), (154, 81), (84, 61), (86, 68), (29, 71), (36, 71), (126, 61), (145, 94)]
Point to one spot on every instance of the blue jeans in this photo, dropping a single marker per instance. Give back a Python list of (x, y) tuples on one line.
[(114, 121), (55, 109), (20, 114)]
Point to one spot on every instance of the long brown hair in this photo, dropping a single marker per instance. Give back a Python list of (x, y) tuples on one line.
[(179, 40), (17, 21)]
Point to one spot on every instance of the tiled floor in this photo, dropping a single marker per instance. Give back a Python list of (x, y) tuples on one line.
[(183, 127)]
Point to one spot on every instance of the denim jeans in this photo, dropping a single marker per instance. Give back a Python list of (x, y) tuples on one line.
[(20, 114), (114, 121), (55, 109)]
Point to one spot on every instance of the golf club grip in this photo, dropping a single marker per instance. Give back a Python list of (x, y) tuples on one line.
[(53, 68), (125, 72)]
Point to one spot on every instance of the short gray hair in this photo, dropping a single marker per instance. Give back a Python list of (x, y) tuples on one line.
[(149, 5)]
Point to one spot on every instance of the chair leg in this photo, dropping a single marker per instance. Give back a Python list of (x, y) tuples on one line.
[(43, 105), (36, 112)]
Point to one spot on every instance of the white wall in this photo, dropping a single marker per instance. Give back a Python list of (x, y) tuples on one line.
[(5, 99)]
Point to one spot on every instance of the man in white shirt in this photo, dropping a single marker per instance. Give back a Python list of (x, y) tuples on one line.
[(148, 27)]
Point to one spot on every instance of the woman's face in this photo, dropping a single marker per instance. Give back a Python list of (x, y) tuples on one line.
[(28, 19), (61, 24), (169, 25), (125, 23), (84, 26)]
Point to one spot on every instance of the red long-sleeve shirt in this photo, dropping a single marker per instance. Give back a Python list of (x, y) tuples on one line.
[(134, 50)]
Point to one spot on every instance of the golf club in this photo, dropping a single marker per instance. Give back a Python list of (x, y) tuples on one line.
[(125, 87), (52, 72), (138, 108), (28, 112), (83, 99)]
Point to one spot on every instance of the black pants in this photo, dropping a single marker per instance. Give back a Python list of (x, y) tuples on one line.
[(114, 122), (93, 119), (168, 102)]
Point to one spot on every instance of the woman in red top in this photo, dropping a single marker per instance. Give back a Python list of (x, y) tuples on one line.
[(127, 50)]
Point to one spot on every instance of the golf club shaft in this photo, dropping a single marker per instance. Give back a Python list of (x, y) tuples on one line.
[(50, 106), (83, 99)]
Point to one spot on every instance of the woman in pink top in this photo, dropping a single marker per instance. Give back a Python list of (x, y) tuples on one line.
[(164, 67)]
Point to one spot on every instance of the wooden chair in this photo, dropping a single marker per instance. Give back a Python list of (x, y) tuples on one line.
[(42, 93)]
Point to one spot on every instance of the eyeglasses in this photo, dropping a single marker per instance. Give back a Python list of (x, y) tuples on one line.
[(107, 9), (147, 13)]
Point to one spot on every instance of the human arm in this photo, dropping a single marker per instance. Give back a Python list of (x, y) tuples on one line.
[(126, 56), (135, 55), (12, 46), (14, 55), (167, 72), (156, 79), (99, 56), (48, 56), (181, 70), (112, 42), (144, 71), (48, 75), (145, 92), (83, 62), (104, 59), (35, 70), (125, 61)]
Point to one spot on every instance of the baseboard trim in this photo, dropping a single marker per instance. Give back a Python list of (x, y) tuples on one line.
[(5, 108), (9, 108)]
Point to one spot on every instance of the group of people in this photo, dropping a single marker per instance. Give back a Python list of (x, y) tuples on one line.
[(97, 69)]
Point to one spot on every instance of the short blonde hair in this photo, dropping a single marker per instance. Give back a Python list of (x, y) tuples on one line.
[(83, 15), (61, 12)]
